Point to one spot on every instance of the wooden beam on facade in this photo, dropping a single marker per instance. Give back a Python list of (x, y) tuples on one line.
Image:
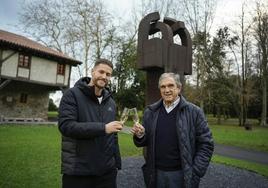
[(2, 60), (4, 84), (7, 57)]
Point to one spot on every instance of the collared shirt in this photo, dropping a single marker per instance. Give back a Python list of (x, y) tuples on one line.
[(168, 109), (100, 99), (172, 106)]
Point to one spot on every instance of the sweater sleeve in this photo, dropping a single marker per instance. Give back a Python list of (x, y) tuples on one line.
[(68, 124)]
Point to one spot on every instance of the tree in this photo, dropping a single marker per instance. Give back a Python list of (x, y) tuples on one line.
[(42, 21), (129, 83), (79, 28), (217, 84), (199, 15), (93, 29), (242, 63), (261, 35), (52, 106)]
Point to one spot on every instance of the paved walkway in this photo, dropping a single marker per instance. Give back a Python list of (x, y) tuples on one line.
[(240, 153)]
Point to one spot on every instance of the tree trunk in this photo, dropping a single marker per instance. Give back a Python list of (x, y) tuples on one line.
[(218, 115), (264, 101)]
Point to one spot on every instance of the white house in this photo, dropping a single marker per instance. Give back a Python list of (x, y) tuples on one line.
[(29, 71)]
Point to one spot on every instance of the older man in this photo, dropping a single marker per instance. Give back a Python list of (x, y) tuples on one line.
[(178, 140)]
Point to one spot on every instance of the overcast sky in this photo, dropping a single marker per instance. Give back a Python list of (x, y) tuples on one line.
[(9, 10), (227, 12), (8, 13)]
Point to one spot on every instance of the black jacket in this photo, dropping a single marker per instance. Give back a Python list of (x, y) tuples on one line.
[(86, 148), (194, 138)]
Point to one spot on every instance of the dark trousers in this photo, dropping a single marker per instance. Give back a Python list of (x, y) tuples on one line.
[(105, 181), (169, 179)]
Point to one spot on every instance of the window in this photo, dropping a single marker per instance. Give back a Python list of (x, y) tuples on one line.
[(24, 61), (23, 98), (61, 69)]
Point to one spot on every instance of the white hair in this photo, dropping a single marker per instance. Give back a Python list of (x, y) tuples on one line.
[(176, 78)]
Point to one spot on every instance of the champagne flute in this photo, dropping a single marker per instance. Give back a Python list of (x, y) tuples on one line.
[(124, 115), (135, 115), (135, 118)]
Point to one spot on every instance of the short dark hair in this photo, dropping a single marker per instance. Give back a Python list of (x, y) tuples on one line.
[(103, 61)]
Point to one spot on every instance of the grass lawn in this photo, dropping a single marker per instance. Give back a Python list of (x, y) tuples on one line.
[(52, 114), (127, 147), (238, 136), (30, 155)]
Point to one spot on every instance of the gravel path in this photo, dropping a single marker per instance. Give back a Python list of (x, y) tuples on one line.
[(217, 176)]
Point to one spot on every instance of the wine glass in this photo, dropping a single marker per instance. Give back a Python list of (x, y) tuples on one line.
[(124, 115), (135, 115)]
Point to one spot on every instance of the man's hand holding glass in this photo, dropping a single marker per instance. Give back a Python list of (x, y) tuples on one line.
[(137, 129)]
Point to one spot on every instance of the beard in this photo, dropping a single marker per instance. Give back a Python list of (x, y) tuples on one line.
[(100, 83)]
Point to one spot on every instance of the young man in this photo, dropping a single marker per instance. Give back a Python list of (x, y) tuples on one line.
[(179, 142), (90, 150)]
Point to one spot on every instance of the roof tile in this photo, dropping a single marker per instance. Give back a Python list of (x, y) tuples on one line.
[(23, 42)]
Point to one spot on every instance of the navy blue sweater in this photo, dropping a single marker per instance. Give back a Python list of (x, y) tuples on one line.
[(166, 141)]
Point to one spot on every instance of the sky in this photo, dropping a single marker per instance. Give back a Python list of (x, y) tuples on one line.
[(9, 12), (227, 11)]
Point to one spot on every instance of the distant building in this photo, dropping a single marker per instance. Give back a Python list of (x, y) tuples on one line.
[(29, 71)]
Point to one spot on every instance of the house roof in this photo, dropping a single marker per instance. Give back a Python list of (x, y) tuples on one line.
[(23, 44)]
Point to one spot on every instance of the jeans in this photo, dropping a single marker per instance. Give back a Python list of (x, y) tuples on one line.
[(169, 179)]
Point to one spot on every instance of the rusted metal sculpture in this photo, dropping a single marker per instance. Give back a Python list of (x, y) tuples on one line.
[(158, 55)]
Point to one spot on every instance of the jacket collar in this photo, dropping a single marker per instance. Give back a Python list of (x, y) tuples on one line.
[(82, 84), (155, 106)]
